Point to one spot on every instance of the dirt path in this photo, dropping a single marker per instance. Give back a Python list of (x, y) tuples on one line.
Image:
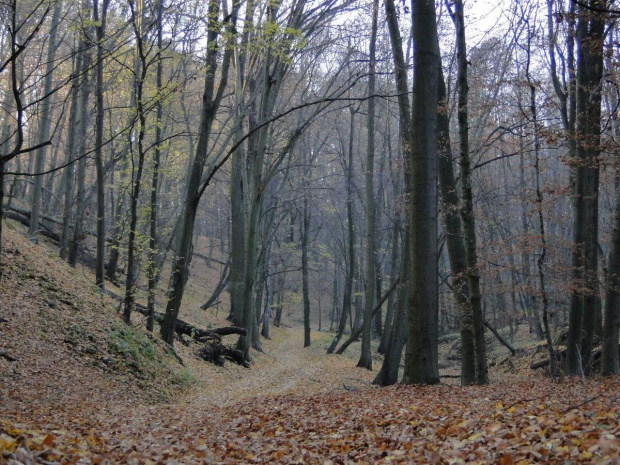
[(285, 367)]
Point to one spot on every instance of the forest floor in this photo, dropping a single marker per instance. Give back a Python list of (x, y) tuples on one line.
[(79, 386)]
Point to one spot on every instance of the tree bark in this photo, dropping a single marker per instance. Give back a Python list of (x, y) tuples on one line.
[(70, 155), (388, 374), (85, 88), (305, 226), (136, 176), (238, 190), (153, 271), (610, 361)]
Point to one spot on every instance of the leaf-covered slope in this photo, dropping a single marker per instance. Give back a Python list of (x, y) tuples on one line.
[(63, 345)]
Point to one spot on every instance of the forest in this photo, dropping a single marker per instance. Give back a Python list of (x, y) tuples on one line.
[(231, 222)]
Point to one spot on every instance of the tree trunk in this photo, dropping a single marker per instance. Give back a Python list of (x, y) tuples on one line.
[(304, 270), (590, 38), (45, 125), (350, 262), (610, 361), (421, 359), (84, 87), (153, 271), (136, 176), (70, 155), (467, 210), (454, 239), (238, 191), (539, 208), (365, 360), (530, 309), (391, 307), (100, 263), (210, 104), (388, 374)]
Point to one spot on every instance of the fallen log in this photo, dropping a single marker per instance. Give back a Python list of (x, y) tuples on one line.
[(595, 359), (21, 218), (204, 257), (213, 351), (216, 352), (541, 364), (500, 338), (27, 213), (355, 334)]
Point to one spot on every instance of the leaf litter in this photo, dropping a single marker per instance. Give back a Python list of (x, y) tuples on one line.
[(82, 388)]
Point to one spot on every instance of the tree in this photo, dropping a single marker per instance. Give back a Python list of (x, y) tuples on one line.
[(21, 32), (590, 40), (153, 271), (454, 238), (45, 125), (141, 57), (365, 360), (421, 355), (100, 17), (210, 104), (467, 209), (388, 373)]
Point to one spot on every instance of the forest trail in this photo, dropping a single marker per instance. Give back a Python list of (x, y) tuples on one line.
[(285, 367)]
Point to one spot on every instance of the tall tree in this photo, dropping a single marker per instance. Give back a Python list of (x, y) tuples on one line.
[(421, 355), (467, 210), (21, 33), (590, 40), (454, 239), (350, 259), (388, 374), (142, 59), (238, 188), (212, 98), (153, 272), (45, 125), (365, 360), (101, 19)]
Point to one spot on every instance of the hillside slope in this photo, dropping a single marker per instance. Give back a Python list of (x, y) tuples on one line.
[(64, 349)]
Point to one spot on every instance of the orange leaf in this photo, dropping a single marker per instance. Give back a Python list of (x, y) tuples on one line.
[(49, 440)]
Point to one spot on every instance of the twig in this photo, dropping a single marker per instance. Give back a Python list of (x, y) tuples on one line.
[(522, 401), (587, 401), (7, 357)]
